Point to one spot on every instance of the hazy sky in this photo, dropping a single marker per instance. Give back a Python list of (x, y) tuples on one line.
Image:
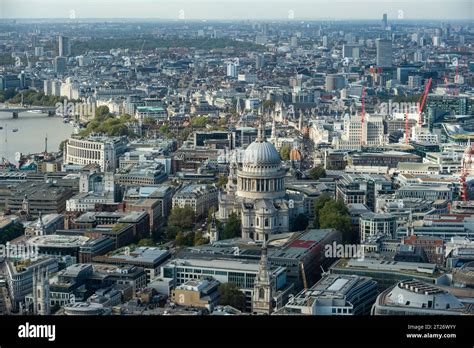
[(239, 9)]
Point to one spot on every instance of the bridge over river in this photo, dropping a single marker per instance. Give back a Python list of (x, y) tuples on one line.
[(16, 110)]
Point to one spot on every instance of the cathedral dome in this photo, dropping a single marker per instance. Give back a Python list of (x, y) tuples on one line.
[(261, 153)]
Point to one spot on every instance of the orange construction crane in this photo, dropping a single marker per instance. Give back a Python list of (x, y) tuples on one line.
[(420, 110), (465, 163), (456, 79), (406, 128)]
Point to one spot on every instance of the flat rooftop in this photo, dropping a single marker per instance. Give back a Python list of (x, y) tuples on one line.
[(143, 254), (371, 264), (58, 241), (302, 244)]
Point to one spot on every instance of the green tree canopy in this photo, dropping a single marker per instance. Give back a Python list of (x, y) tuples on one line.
[(102, 112), (222, 181), (11, 232), (199, 121), (62, 144), (232, 228), (300, 223), (199, 239), (317, 173), (285, 152), (146, 242), (150, 121), (318, 205), (335, 215), (179, 220), (185, 238), (164, 129), (230, 295)]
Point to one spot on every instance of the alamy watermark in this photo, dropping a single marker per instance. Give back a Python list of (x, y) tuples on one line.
[(75, 109), (19, 251), (343, 251), (397, 107)]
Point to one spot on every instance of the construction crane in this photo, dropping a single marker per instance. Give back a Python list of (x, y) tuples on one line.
[(406, 128), (466, 161), (456, 78), (420, 110), (303, 275), (362, 118)]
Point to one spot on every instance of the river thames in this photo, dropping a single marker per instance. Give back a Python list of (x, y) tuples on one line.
[(32, 130)]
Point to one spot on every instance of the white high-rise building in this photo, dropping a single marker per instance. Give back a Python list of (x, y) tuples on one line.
[(325, 41), (232, 70), (436, 41), (354, 135)]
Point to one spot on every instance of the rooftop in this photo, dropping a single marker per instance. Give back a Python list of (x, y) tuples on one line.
[(143, 254)]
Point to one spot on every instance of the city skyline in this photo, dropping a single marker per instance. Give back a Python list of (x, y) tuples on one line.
[(238, 9)]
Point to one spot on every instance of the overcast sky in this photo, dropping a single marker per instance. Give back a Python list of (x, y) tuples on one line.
[(239, 9)]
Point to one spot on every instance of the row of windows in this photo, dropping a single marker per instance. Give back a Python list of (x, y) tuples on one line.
[(260, 185), (341, 310), (168, 274), (92, 154), (85, 145)]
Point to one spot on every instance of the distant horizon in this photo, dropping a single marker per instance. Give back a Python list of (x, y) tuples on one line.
[(231, 10), (202, 20)]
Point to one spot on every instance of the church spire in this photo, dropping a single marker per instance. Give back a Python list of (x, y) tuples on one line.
[(25, 206), (274, 128), (261, 131), (40, 226), (213, 231), (264, 267), (262, 291)]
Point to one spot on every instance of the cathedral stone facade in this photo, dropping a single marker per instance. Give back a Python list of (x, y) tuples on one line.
[(256, 192)]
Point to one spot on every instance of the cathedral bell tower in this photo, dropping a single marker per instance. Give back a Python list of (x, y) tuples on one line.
[(213, 231), (41, 294), (262, 288)]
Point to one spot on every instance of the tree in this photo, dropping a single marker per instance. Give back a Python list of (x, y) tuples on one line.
[(149, 121), (230, 295), (164, 129), (300, 223), (11, 232), (222, 181), (232, 228), (185, 238), (199, 239), (145, 242), (102, 112), (285, 152), (181, 217), (335, 215), (184, 134), (180, 239), (179, 220), (199, 121), (318, 205), (317, 173), (62, 145), (210, 213)]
